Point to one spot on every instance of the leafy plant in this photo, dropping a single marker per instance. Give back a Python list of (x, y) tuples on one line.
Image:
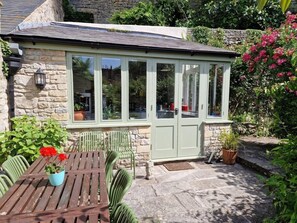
[(27, 135), (229, 140), (5, 52), (79, 106), (283, 186), (155, 13)]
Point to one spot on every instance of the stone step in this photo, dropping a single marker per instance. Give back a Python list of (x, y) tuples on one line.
[(252, 153)]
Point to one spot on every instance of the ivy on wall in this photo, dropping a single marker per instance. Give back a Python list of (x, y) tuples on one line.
[(5, 52), (207, 36), (70, 14)]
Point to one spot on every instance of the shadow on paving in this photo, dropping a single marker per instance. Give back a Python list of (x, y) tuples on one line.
[(209, 193)]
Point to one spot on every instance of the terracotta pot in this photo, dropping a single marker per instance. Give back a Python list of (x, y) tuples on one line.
[(79, 115), (229, 156)]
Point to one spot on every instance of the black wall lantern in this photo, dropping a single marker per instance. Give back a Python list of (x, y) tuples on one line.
[(40, 78)]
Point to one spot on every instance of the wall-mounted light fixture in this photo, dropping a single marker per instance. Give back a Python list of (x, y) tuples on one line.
[(40, 78)]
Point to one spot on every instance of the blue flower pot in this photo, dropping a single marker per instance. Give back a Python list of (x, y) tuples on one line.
[(57, 179)]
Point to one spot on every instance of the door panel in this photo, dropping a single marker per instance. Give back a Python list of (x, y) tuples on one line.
[(165, 121), (176, 123), (189, 122)]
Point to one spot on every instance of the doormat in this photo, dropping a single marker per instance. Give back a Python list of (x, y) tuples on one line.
[(178, 166)]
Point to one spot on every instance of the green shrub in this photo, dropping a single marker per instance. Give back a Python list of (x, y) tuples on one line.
[(28, 135), (283, 187), (155, 13), (285, 107)]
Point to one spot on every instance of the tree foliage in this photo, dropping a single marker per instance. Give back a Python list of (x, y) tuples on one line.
[(155, 13), (239, 14)]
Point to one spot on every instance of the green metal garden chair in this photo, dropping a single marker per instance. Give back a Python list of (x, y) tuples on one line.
[(90, 141), (120, 184), (5, 184), (112, 157), (120, 141), (15, 167), (123, 214)]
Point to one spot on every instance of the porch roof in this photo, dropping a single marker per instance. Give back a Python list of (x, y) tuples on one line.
[(65, 33)]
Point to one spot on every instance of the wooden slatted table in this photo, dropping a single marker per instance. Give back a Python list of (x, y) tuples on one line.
[(81, 198)]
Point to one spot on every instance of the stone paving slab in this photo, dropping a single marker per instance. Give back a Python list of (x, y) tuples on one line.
[(209, 193)]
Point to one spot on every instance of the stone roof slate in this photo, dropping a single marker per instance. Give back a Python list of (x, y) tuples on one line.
[(15, 12), (63, 32)]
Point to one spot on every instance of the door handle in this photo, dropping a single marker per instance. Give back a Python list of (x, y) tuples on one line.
[(176, 111)]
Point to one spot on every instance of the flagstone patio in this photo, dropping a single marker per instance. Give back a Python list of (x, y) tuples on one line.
[(209, 193)]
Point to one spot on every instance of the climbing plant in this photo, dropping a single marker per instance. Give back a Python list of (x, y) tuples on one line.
[(5, 52)]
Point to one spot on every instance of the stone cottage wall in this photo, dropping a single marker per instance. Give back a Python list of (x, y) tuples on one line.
[(3, 99), (50, 10), (50, 101), (211, 136)]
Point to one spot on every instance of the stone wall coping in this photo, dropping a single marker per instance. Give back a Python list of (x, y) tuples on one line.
[(217, 122), (91, 125)]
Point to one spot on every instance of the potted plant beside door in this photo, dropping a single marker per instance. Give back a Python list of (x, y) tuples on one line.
[(229, 141)]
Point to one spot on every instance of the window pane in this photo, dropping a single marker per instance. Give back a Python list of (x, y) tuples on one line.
[(215, 90), (137, 90), (111, 89), (165, 90), (83, 88), (190, 100)]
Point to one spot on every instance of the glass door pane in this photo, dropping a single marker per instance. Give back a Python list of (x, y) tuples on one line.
[(190, 100), (165, 90)]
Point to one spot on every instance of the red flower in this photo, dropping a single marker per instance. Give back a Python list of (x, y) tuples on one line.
[(62, 156), (246, 57), (48, 151)]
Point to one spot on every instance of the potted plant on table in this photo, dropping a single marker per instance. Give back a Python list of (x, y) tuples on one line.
[(229, 141), (55, 170), (79, 111)]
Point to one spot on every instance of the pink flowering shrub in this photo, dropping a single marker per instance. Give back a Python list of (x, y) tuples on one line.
[(271, 64), (273, 59)]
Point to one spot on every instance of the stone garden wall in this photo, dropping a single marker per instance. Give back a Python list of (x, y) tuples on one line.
[(211, 136), (102, 9)]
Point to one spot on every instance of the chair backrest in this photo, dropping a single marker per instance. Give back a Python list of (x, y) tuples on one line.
[(91, 141), (119, 140), (15, 167), (120, 184), (111, 159), (5, 184), (123, 214)]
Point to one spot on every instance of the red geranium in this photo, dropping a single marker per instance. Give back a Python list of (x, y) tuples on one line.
[(49, 152)]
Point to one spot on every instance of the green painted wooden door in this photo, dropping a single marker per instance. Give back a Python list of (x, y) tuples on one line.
[(176, 120)]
